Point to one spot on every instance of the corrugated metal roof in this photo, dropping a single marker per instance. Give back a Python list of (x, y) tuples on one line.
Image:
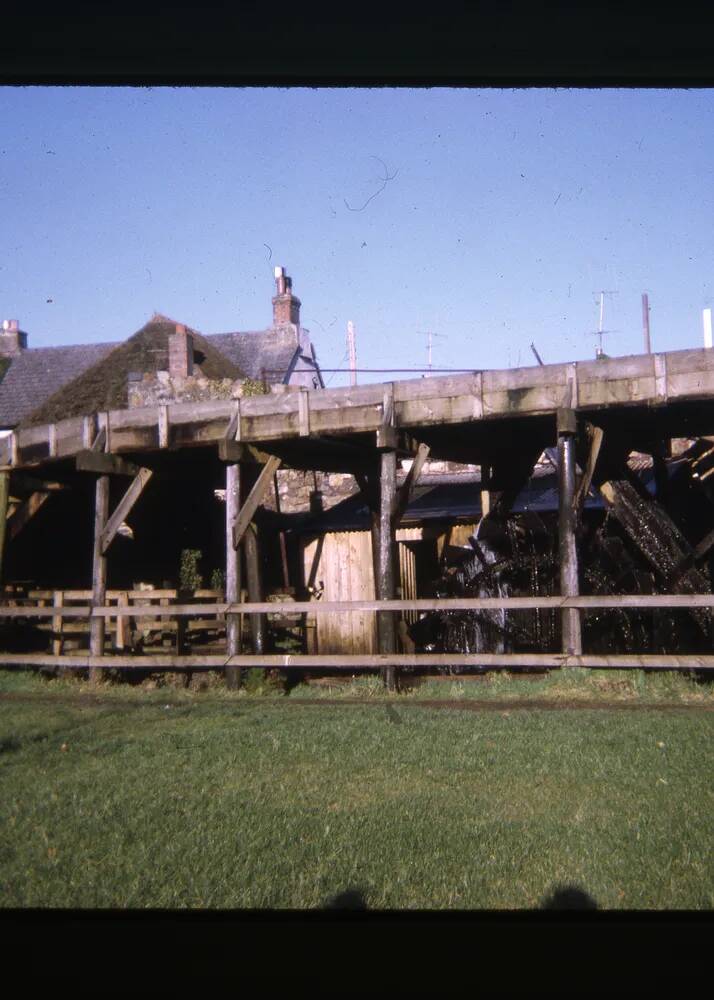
[(447, 502)]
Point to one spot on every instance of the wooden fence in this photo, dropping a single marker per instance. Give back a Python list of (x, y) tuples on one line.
[(215, 612)]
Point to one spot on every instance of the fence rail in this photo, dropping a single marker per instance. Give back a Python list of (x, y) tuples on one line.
[(346, 662), (156, 614), (583, 602)]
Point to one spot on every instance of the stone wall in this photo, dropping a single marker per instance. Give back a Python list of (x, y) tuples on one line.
[(160, 389), (302, 491)]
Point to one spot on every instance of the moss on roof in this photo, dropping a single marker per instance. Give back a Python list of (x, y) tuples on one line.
[(4, 365), (104, 385)]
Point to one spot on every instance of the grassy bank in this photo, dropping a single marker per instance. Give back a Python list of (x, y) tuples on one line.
[(174, 798)]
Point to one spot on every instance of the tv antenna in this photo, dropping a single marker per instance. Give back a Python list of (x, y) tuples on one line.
[(600, 332), (429, 338)]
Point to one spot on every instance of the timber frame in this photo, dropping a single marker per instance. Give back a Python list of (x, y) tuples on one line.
[(501, 420)]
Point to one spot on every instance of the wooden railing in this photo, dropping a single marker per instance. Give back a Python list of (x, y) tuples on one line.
[(60, 611)]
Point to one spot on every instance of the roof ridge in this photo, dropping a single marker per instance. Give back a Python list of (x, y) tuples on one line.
[(163, 318), (64, 347)]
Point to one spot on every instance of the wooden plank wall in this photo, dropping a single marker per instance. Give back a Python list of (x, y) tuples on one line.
[(346, 570), (407, 569)]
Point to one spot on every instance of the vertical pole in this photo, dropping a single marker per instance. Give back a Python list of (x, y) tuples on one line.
[(252, 568), (385, 580), (707, 322), (4, 497), (646, 322), (571, 635), (57, 602), (352, 351), (99, 572), (283, 544), (485, 491), (233, 674)]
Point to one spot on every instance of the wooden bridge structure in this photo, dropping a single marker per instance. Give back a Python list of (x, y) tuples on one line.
[(595, 413)]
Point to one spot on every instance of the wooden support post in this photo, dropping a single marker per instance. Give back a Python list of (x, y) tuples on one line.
[(252, 568), (122, 633), (385, 579), (485, 490), (4, 497), (181, 629), (233, 674), (57, 602), (99, 572), (567, 427), (283, 544)]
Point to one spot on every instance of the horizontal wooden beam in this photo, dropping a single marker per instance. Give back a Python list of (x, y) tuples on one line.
[(332, 661), (105, 464), (331, 607), (239, 451), (23, 483)]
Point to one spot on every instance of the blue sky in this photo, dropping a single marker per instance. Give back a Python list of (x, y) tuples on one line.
[(505, 212)]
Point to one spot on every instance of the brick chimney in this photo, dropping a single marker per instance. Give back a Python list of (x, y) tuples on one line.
[(286, 307), (12, 339), (180, 353)]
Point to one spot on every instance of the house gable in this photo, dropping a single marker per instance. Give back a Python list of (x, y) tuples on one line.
[(103, 385)]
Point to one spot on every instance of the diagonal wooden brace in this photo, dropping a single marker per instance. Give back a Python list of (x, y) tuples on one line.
[(247, 511), (123, 508), (410, 482), (27, 510), (595, 435), (100, 441)]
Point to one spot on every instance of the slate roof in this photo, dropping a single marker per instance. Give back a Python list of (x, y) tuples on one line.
[(36, 373), (262, 353), (103, 385)]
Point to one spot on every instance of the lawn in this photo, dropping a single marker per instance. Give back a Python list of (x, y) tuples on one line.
[(127, 797)]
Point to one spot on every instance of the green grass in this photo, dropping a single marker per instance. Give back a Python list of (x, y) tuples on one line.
[(572, 685), (172, 798)]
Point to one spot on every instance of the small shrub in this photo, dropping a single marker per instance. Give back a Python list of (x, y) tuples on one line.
[(189, 576), (252, 387)]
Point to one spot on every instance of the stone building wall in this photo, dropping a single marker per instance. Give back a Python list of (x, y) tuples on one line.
[(302, 491), (161, 388)]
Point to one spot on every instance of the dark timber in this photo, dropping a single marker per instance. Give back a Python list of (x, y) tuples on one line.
[(99, 571), (233, 674), (252, 567), (385, 559), (4, 497), (567, 427)]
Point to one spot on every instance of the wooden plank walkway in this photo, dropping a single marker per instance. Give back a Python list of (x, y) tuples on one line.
[(640, 380)]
